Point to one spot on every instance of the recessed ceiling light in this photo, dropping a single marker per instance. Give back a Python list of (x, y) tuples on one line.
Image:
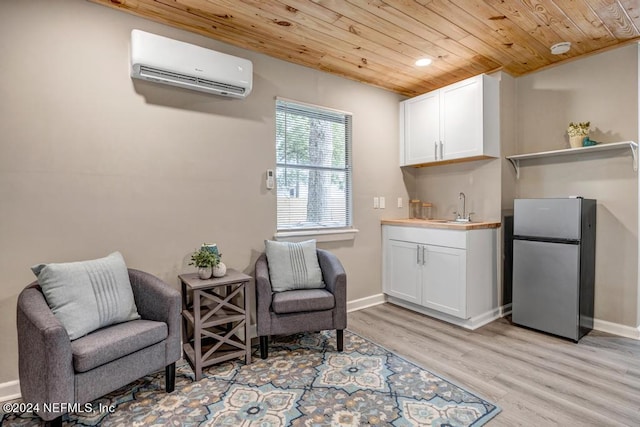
[(560, 48), (423, 62)]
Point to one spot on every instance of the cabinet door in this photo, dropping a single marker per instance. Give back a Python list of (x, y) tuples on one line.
[(402, 271), (421, 128), (444, 280), (461, 119)]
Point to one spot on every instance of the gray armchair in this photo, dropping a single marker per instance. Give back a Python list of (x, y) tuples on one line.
[(54, 369), (290, 312)]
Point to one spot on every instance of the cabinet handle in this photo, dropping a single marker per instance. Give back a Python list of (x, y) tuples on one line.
[(418, 254), (423, 255), (441, 151), (435, 150)]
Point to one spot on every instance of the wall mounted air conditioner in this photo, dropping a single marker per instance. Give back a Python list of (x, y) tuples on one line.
[(163, 60)]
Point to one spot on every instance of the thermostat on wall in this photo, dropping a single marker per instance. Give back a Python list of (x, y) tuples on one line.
[(270, 179)]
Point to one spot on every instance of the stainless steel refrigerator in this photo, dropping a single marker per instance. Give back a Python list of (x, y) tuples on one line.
[(554, 265)]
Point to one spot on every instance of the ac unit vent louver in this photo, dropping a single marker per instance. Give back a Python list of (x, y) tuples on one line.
[(163, 60), (169, 77)]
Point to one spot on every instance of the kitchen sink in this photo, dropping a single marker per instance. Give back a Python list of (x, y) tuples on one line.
[(449, 221)]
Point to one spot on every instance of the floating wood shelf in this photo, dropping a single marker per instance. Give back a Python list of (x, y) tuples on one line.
[(516, 159)]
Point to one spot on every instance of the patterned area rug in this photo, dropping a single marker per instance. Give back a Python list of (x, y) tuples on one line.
[(304, 382)]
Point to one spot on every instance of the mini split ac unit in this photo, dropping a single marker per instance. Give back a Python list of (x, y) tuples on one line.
[(163, 60)]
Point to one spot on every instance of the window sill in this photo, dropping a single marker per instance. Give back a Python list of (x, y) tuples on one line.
[(318, 235)]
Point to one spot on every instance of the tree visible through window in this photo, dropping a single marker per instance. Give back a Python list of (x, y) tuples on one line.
[(313, 167)]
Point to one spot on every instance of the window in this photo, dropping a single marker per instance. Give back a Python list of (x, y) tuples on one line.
[(313, 167)]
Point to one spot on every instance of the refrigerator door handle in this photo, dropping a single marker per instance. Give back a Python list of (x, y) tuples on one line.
[(547, 239)]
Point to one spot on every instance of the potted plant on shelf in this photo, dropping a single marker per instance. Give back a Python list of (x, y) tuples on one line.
[(205, 261), (577, 132)]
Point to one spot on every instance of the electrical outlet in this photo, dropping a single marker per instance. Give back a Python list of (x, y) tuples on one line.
[(382, 202), (376, 203)]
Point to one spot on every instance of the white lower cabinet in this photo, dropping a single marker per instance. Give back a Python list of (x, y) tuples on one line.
[(449, 274), (443, 279), (403, 271)]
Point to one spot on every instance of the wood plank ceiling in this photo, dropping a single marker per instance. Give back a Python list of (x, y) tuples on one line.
[(378, 41)]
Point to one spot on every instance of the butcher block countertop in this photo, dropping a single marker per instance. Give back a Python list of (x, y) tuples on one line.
[(441, 223)]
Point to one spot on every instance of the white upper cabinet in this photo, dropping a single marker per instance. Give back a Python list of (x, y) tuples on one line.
[(456, 123), (421, 128)]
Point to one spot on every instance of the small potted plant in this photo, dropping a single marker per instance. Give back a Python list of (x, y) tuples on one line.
[(577, 132), (204, 260)]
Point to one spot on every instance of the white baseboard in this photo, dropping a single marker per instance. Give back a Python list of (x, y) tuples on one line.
[(617, 329), (362, 303), (485, 318), (599, 325), (10, 391), (505, 310)]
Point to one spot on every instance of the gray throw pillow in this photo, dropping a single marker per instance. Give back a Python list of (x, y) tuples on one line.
[(293, 265), (88, 295)]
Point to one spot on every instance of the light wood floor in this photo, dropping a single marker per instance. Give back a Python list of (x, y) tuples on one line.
[(537, 379)]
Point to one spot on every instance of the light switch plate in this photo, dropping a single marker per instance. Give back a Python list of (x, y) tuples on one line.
[(382, 202), (376, 203)]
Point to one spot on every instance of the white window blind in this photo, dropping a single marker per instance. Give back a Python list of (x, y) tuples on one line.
[(313, 167)]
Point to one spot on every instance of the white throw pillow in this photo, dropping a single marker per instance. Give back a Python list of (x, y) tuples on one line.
[(88, 295), (293, 265)]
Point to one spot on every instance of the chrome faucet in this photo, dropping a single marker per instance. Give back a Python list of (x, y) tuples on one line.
[(461, 214)]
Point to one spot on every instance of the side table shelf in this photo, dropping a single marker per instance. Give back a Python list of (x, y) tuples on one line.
[(214, 325)]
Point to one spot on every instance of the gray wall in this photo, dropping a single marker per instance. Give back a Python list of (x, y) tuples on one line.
[(602, 89), (92, 161)]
